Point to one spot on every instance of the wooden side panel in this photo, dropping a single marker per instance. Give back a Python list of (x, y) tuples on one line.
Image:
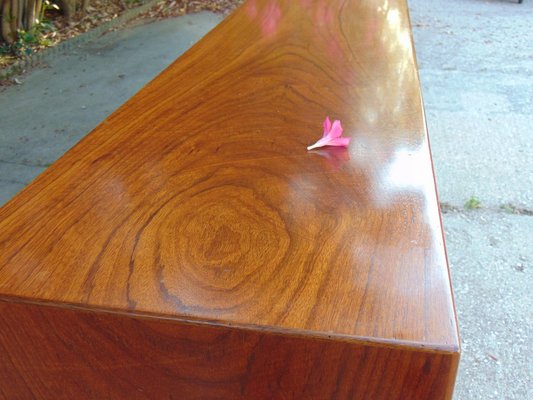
[(57, 353)]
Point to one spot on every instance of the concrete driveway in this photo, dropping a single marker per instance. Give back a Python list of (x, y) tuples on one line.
[(476, 66)]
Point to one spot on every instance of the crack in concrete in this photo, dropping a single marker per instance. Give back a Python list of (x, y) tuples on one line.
[(13, 181), (446, 208), (24, 164)]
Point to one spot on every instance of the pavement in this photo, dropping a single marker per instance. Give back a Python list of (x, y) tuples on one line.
[(476, 64), (58, 104)]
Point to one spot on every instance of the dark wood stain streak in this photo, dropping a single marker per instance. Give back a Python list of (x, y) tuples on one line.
[(159, 276), (89, 280)]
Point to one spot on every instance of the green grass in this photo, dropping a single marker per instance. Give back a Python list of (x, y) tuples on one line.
[(473, 203), (508, 208)]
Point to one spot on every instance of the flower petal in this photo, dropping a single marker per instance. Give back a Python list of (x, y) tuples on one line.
[(341, 141), (336, 129), (322, 142), (331, 137), (327, 127)]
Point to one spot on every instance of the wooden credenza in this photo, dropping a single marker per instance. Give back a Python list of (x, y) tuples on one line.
[(190, 247)]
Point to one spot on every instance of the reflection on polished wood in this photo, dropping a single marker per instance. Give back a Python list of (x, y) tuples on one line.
[(191, 247)]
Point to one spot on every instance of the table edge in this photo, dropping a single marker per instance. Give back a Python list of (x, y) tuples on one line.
[(437, 348)]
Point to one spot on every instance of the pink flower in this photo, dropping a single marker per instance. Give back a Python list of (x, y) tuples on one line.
[(332, 135)]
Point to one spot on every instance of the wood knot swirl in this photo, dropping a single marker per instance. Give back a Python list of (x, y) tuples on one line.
[(224, 242)]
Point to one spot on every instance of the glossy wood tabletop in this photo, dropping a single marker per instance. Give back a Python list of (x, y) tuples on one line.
[(198, 201)]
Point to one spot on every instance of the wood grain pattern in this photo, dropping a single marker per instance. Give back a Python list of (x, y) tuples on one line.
[(197, 200)]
